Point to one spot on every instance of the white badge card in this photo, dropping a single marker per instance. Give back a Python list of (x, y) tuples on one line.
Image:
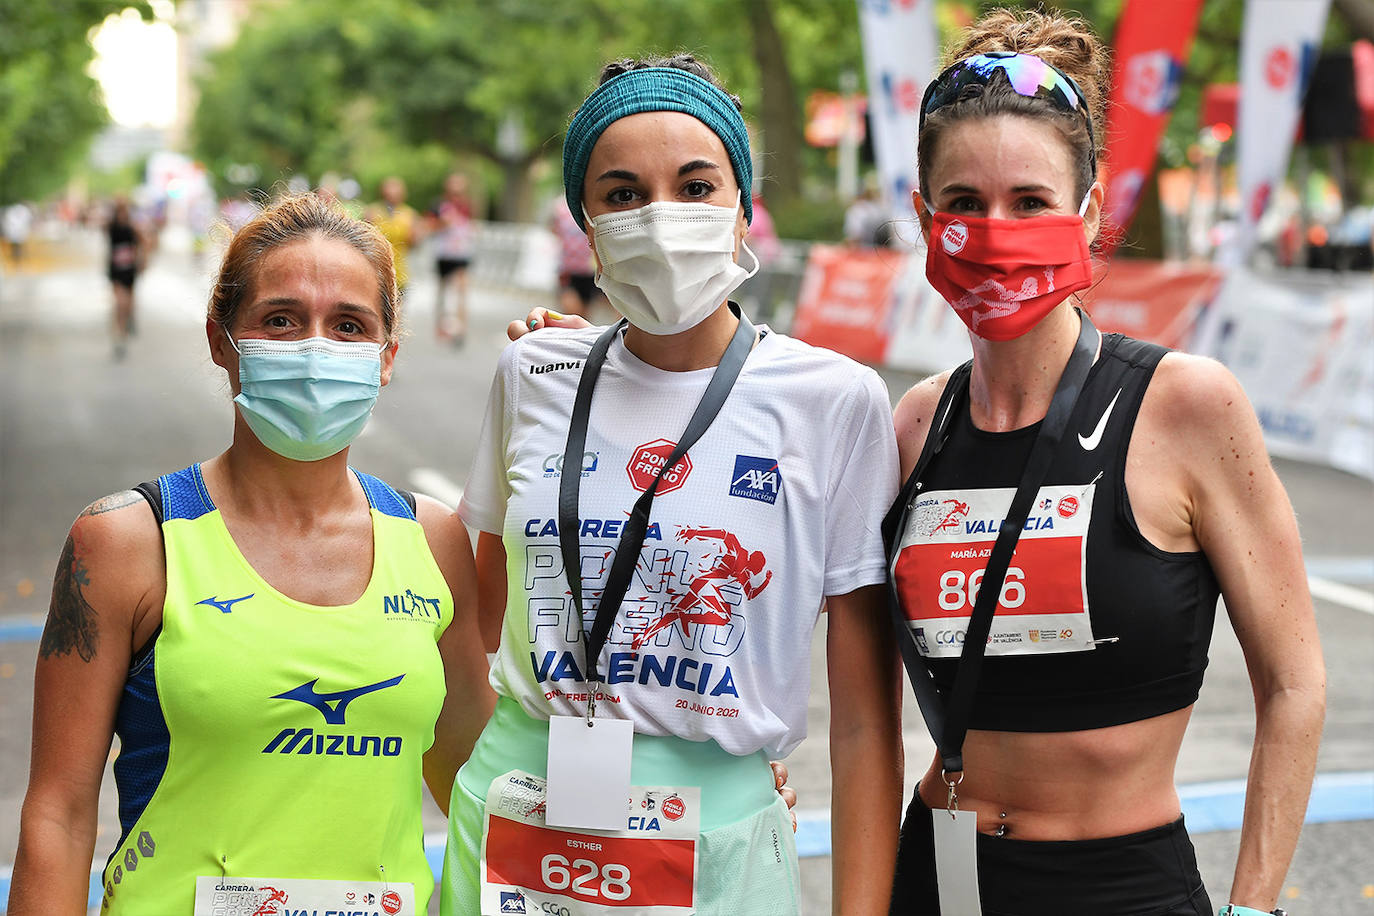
[(231, 896), (589, 772), (647, 867), (956, 862)]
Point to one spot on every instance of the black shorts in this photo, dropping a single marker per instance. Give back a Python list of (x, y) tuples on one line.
[(1151, 873), (582, 284), (449, 265), (124, 276)]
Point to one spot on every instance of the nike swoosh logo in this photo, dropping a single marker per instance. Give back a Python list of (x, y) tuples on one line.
[(1090, 442), (332, 705), (224, 606)]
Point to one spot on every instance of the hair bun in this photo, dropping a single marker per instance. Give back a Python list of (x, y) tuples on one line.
[(1065, 42)]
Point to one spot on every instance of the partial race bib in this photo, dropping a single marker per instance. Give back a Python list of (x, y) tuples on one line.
[(1043, 606), (647, 869), (232, 896)]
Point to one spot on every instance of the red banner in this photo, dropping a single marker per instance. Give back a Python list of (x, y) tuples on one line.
[(1151, 300), (1152, 39), (846, 300)]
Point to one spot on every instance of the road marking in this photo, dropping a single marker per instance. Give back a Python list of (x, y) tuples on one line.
[(1349, 569), (1354, 598), (432, 483), (21, 629), (1207, 806)]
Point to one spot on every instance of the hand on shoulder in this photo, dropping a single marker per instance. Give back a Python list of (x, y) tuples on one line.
[(541, 317)]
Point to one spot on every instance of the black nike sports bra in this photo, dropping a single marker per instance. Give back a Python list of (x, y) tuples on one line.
[(1095, 625)]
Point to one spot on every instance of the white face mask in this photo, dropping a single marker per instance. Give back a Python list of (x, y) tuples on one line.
[(666, 266)]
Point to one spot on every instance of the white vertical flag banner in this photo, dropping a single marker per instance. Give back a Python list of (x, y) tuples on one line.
[(1278, 48), (900, 54)]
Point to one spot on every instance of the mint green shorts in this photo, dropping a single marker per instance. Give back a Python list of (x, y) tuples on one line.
[(747, 855)]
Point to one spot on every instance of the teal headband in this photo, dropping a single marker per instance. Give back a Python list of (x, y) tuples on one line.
[(654, 89)]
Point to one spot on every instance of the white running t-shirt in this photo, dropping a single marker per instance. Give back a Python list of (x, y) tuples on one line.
[(776, 506)]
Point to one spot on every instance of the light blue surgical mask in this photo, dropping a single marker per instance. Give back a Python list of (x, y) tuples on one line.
[(307, 399)]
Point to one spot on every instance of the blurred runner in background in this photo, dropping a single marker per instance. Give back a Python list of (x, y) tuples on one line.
[(398, 223), (451, 222)]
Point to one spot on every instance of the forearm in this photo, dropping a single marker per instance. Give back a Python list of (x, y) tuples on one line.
[(52, 868), (460, 725), (865, 815), (1287, 731)]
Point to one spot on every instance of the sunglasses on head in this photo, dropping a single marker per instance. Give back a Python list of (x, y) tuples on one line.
[(1026, 74)]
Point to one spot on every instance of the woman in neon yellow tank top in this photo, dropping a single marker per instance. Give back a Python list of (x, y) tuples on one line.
[(268, 632)]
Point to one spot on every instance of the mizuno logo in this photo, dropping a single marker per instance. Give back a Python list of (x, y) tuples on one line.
[(1090, 441), (332, 705), (224, 606)]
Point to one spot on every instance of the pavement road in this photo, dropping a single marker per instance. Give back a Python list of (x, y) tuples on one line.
[(76, 424)]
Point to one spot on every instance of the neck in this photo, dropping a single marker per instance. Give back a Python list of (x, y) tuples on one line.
[(255, 479), (698, 347), (1014, 381)]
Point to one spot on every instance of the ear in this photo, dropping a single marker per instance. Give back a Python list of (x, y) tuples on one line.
[(922, 214), (591, 243), (741, 228), (389, 360), (1092, 217), (221, 353)]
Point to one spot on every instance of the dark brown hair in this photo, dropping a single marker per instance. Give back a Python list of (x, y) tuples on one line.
[(1064, 42), (295, 218), (679, 61)]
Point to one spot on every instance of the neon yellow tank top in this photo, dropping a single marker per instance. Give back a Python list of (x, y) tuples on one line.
[(264, 737)]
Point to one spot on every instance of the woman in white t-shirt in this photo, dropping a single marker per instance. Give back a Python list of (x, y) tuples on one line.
[(741, 477)]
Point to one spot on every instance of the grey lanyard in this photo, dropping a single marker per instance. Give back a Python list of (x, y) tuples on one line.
[(632, 535)]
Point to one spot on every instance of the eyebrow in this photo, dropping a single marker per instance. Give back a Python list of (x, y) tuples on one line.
[(1018, 189), (291, 300), (697, 165)]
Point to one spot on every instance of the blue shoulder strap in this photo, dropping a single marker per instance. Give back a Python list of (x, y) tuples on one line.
[(385, 498), (184, 494)]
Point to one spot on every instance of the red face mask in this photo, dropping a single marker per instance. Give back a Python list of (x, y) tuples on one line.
[(1003, 275)]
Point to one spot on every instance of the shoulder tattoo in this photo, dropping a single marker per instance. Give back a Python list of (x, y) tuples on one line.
[(71, 619), (113, 501)]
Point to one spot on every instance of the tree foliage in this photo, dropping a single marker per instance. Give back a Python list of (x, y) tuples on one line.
[(49, 106), (305, 90), (411, 86)]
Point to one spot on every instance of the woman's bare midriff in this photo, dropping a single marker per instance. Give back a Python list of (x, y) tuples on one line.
[(1068, 785)]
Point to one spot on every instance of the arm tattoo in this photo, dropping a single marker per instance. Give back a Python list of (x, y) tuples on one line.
[(71, 619)]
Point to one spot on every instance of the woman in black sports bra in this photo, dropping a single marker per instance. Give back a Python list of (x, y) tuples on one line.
[(1157, 496)]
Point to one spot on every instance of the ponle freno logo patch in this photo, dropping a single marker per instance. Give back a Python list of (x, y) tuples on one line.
[(954, 238), (647, 462), (674, 808)]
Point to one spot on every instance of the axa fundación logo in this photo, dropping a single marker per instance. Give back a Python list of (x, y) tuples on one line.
[(756, 478)]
